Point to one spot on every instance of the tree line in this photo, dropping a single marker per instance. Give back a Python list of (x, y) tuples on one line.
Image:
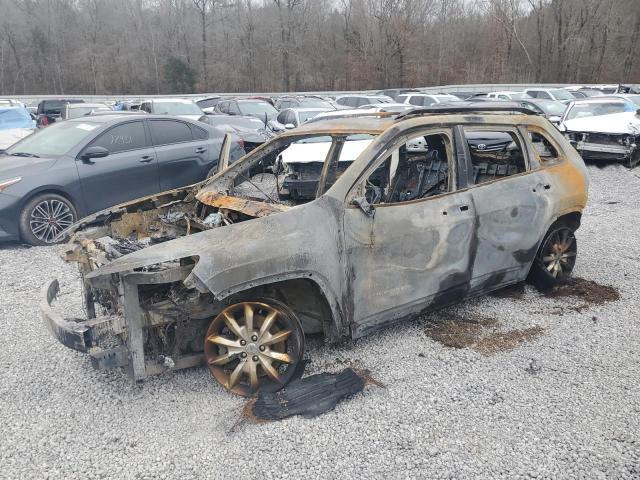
[(189, 46)]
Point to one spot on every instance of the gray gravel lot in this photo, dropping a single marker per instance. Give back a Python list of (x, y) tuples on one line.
[(565, 404)]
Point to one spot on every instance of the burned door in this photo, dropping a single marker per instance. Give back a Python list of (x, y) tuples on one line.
[(510, 203), (409, 242)]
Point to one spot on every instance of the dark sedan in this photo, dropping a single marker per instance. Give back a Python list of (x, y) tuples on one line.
[(77, 167)]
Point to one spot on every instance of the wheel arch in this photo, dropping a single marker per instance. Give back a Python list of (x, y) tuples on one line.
[(571, 218), (54, 190), (306, 294)]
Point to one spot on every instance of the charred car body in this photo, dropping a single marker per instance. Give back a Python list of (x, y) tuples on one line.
[(396, 233)]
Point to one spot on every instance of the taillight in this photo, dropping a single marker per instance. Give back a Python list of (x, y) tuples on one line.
[(45, 121)]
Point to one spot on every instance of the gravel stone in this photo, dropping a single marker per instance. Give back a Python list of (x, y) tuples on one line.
[(565, 404)]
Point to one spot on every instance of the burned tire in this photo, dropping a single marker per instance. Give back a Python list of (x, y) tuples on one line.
[(254, 345), (556, 257), (44, 217)]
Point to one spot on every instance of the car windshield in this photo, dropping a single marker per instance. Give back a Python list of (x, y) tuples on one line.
[(582, 110), (77, 112), (176, 108), (314, 103), (634, 98), (560, 94), (257, 108), (52, 107), (55, 140), (15, 118), (552, 108)]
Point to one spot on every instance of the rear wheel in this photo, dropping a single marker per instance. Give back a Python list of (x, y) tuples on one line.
[(556, 257), (44, 217), (254, 345)]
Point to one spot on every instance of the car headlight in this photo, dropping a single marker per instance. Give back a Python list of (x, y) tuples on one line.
[(7, 183)]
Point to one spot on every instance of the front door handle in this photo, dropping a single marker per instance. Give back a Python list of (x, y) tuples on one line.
[(146, 159), (201, 150)]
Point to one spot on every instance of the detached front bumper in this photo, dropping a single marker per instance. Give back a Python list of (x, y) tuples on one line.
[(73, 334)]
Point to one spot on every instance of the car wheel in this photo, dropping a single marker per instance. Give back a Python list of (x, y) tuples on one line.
[(556, 257), (252, 346), (44, 217)]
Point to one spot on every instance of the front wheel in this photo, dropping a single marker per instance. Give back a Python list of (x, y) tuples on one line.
[(44, 217), (254, 345), (556, 257)]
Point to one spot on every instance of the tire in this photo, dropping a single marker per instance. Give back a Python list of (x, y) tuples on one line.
[(44, 217), (556, 257), (266, 357)]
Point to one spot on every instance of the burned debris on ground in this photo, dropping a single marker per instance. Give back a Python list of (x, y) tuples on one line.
[(484, 335), (308, 397)]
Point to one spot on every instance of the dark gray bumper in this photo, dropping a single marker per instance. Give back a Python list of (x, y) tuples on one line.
[(68, 332)]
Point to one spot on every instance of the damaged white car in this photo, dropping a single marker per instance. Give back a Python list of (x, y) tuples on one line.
[(604, 129)]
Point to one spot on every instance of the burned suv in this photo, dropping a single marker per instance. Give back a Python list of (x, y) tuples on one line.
[(225, 273)]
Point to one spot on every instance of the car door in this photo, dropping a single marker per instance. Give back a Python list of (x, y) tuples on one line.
[(510, 201), (182, 151), (413, 249), (129, 171)]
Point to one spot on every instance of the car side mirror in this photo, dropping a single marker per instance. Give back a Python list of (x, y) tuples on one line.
[(289, 126), (364, 205), (94, 152)]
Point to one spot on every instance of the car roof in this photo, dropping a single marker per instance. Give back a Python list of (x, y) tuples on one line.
[(310, 109), (85, 105), (167, 100), (602, 99), (117, 116)]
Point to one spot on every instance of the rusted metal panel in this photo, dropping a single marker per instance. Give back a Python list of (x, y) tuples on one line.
[(251, 208)]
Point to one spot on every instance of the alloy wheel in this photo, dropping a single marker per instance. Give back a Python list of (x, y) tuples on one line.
[(559, 253), (49, 218), (253, 344)]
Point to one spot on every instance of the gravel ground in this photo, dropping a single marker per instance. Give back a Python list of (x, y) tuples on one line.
[(563, 404)]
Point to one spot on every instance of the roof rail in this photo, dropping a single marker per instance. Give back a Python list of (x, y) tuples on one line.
[(353, 115), (450, 109)]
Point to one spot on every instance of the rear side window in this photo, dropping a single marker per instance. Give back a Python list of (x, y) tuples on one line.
[(416, 101), (124, 137), (167, 132), (494, 154), (199, 133), (545, 150)]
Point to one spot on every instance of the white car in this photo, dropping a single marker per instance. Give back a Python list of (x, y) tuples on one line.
[(426, 100), (558, 94), (177, 107), (15, 124), (77, 110), (506, 95), (604, 129)]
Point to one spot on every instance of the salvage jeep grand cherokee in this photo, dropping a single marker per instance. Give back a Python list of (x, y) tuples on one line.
[(225, 273)]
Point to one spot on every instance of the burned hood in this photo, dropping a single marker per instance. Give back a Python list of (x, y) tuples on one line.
[(616, 124), (264, 247)]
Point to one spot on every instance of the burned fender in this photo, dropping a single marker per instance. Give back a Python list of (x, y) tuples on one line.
[(249, 254)]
